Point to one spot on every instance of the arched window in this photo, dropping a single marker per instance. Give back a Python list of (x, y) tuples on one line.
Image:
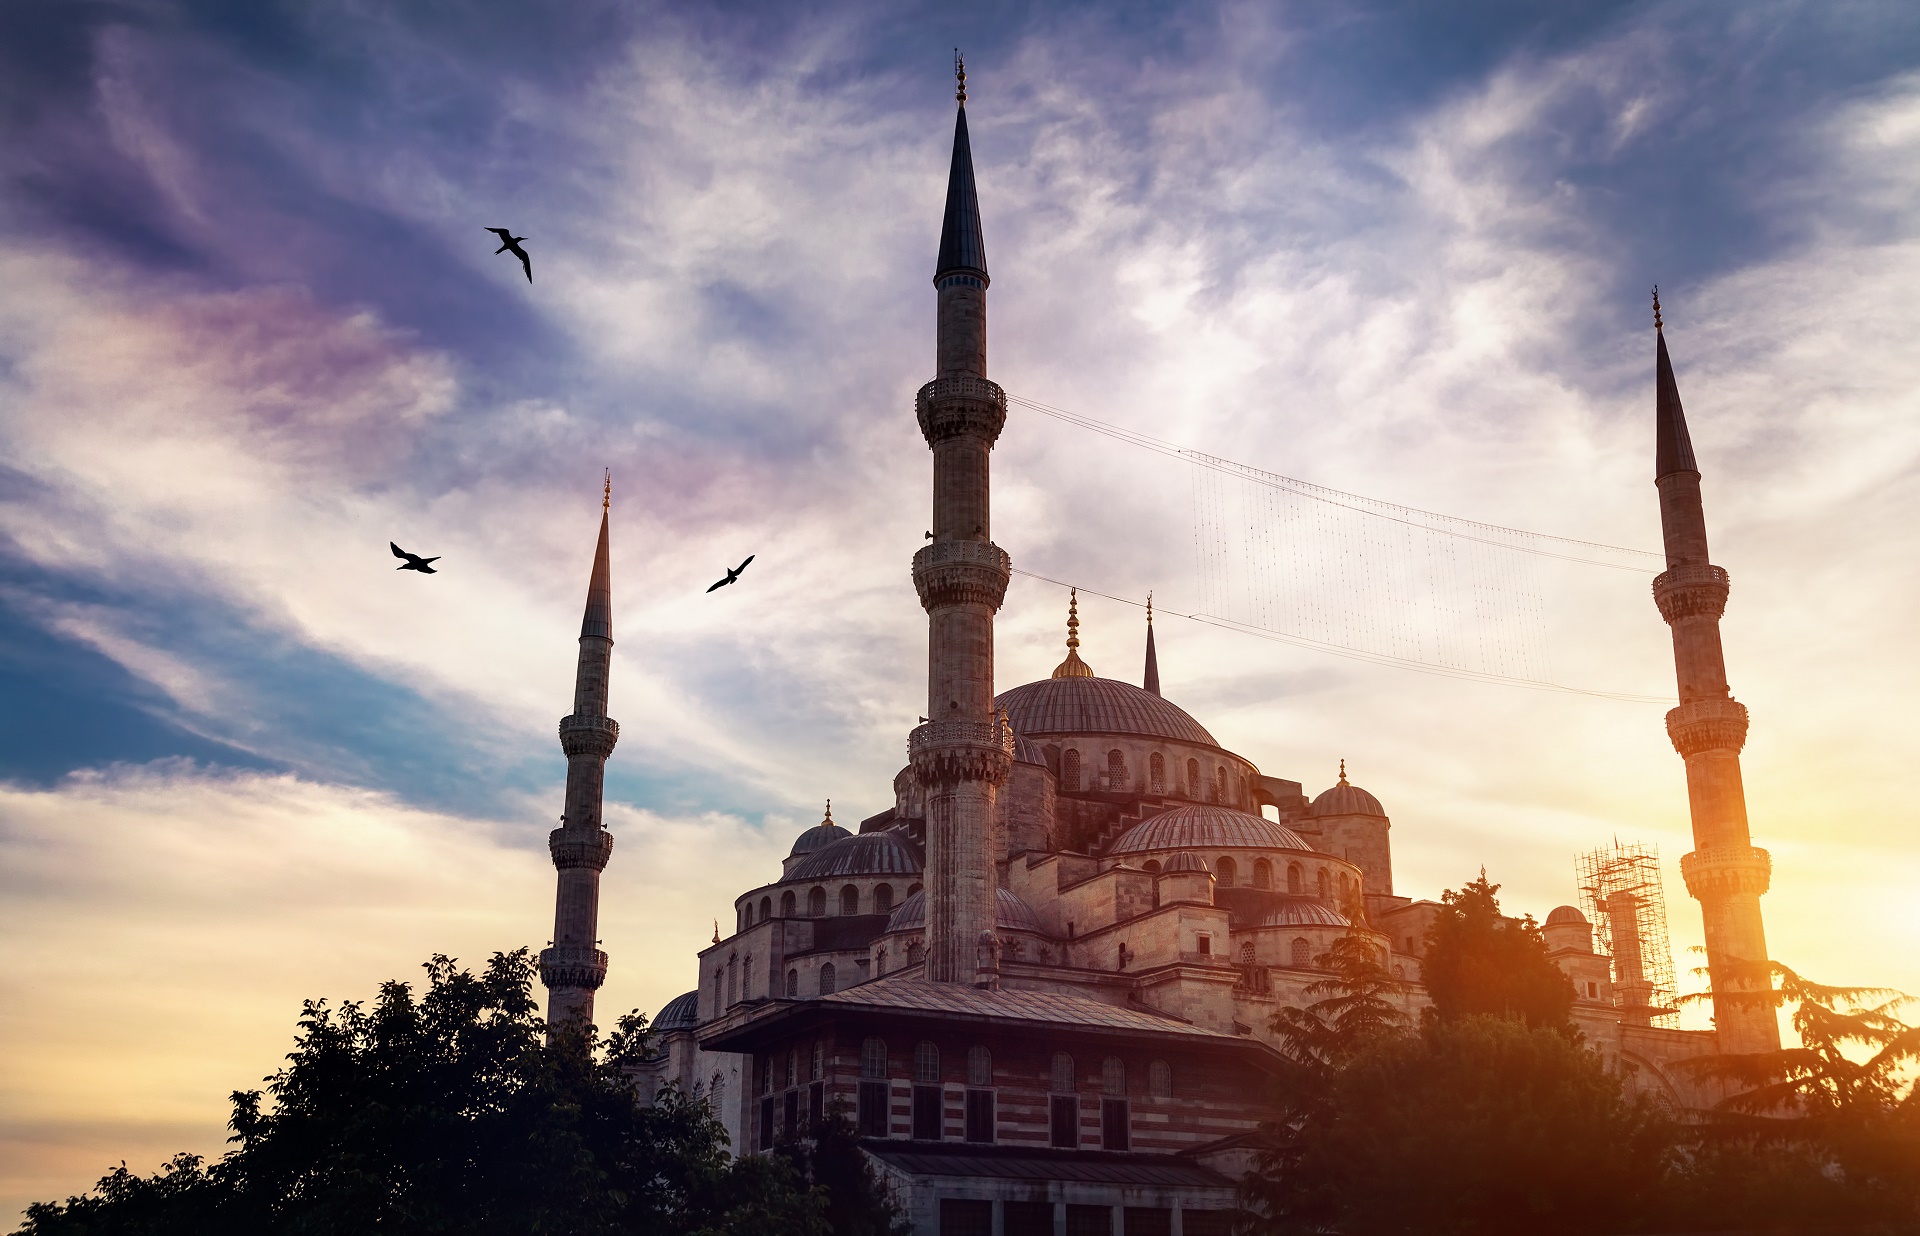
[(1219, 784), (733, 980), (1246, 953), (926, 1062), (1224, 871), (1325, 885), (793, 983), (1113, 1077), (817, 1064), (1296, 881), (1262, 873), (915, 951), (1160, 1079), (1193, 779), (873, 1058), (1346, 888), (1060, 1079), (1117, 770), (1070, 770), (1157, 773), (1152, 866), (817, 902), (979, 1066), (883, 899), (746, 979), (880, 963), (744, 918), (766, 908), (850, 900), (912, 889), (1301, 954), (719, 992), (826, 979), (787, 904), (713, 1092), (793, 1066)]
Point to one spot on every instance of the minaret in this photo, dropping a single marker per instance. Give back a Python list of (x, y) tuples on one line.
[(574, 967), (1151, 678), (1726, 873), (960, 755)]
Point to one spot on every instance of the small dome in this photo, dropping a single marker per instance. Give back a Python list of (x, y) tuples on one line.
[(889, 852), (1567, 914), (1186, 860), (1207, 828), (1346, 799), (820, 836), (1027, 751), (680, 1013), (1067, 706), (1303, 912), (1010, 913)]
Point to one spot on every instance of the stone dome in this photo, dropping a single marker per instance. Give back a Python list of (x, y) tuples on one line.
[(1186, 860), (819, 837), (679, 1013), (1010, 913), (1303, 912), (1097, 706), (1567, 914), (889, 852), (1200, 827), (1346, 799), (1027, 751)]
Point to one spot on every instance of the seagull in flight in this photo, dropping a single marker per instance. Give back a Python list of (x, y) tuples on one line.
[(733, 573), (509, 243), (414, 562)]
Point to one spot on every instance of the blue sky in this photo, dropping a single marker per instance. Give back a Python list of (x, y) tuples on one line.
[(255, 330)]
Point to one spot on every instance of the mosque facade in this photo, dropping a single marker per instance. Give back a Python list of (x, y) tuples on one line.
[(1041, 983)]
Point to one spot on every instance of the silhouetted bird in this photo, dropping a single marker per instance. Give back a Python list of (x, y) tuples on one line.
[(732, 574), (414, 562), (509, 243)]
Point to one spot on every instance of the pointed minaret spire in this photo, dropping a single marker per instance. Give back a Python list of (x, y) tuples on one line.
[(1073, 666), (1725, 873), (961, 755), (574, 967), (1151, 679)]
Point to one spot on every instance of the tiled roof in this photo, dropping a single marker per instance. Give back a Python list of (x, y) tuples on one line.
[(1009, 912), (1097, 706), (1201, 827), (1037, 1164), (910, 992)]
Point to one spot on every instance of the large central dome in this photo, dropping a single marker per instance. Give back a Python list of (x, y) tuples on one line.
[(1097, 706)]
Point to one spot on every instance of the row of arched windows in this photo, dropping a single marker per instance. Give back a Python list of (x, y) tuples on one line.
[(1061, 1075), (1227, 872), (1115, 779), (847, 903)]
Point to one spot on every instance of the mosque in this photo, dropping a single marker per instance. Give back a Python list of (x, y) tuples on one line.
[(1041, 982)]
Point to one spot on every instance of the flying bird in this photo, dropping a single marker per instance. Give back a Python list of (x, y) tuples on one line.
[(414, 562), (509, 243), (733, 573)]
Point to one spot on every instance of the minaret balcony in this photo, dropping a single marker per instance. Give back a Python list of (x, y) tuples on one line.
[(573, 965), (1707, 725), (1727, 871), (587, 735), (961, 405), (580, 847), (949, 752), (1691, 591), (961, 573)]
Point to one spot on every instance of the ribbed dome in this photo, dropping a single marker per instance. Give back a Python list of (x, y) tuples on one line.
[(1344, 799), (1010, 913), (1207, 828), (680, 1013), (1303, 912), (1186, 860), (819, 837), (1567, 914), (1097, 706), (1027, 751), (884, 853)]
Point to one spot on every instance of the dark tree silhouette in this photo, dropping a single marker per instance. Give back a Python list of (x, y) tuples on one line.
[(1480, 963)]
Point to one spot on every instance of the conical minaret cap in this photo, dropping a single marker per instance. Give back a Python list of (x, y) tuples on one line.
[(1672, 448), (1151, 679), (962, 247), (598, 619)]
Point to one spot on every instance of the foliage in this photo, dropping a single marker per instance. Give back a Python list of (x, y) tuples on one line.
[(858, 1202), (452, 1112), (1480, 963)]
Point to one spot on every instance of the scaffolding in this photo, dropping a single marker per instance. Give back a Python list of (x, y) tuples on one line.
[(1621, 894)]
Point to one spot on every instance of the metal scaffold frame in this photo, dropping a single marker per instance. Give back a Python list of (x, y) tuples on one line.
[(1622, 896)]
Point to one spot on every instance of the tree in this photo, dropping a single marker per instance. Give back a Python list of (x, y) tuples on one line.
[(1479, 962), (829, 1158), (453, 1112)]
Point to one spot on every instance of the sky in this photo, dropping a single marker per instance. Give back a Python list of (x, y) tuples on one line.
[(254, 329)]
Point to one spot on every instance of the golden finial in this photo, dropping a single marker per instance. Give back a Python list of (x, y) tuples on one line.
[(1073, 666), (1343, 772), (606, 495), (716, 931), (1149, 608), (829, 818), (1656, 307), (960, 77)]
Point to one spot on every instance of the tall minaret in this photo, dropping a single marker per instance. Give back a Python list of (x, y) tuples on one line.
[(574, 967), (1726, 873), (960, 754)]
